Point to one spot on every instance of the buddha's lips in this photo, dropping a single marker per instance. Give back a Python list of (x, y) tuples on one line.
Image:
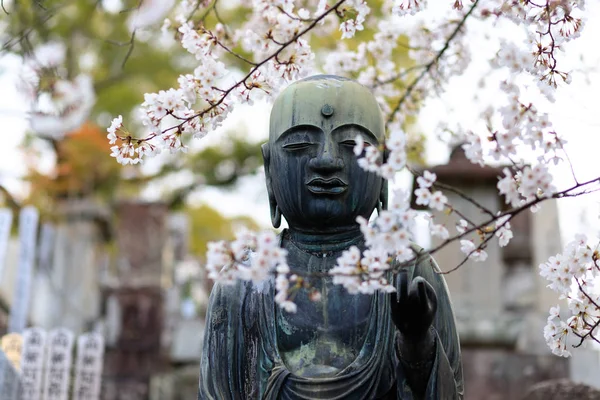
[(327, 186)]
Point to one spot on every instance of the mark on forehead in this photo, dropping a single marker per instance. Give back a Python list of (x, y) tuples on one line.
[(327, 110)]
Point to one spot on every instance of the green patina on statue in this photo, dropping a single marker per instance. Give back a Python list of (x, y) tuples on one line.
[(343, 346)]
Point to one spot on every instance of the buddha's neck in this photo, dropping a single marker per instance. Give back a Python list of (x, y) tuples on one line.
[(331, 241)]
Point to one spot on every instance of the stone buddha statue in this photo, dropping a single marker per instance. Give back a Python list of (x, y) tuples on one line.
[(402, 345)]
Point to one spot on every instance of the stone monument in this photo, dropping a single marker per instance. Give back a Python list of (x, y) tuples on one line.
[(502, 304), (342, 346)]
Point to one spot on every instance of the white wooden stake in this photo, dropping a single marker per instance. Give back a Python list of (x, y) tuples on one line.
[(6, 217), (32, 362), (58, 365), (28, 222), (88, 375)]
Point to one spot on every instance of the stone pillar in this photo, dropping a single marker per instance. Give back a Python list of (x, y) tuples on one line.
[(500, 304), (134, 303), (476, 288), (71, 252)]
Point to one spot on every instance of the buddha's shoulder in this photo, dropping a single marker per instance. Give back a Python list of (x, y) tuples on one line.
[(240, 292)]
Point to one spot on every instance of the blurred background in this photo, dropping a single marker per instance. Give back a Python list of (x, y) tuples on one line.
[(120, 249)]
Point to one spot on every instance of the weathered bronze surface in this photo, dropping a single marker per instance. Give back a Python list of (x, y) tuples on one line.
[(343, 346)]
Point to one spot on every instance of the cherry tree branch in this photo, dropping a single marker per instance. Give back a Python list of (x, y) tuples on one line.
[(510, 214), (481, 246), (482, 227), (242, 81), (430, 65)]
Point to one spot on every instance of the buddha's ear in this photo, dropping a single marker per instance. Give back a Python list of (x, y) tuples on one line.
[(275, 212)]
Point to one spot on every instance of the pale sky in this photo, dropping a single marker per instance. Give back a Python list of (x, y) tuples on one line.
[(574, 115)]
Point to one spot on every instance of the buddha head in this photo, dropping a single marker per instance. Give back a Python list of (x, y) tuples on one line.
[(312, 174)]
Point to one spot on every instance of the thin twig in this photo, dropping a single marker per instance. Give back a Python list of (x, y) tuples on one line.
[(398, 75), (130, 50), (233, 53), (197, 6), (458, 192), (462, 195), (560, 143), (461, 215), (293, 17)]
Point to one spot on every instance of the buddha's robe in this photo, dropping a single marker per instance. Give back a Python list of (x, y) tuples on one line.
[(241, 359)]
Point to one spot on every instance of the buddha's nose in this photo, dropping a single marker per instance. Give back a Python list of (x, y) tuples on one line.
[(328, 160)]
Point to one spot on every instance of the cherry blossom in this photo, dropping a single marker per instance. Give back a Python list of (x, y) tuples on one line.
[(439, 231), (277, 38), (472, 251), (426, 180), (437, 200)]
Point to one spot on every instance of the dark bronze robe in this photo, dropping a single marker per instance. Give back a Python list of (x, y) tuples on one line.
[(241, 358)]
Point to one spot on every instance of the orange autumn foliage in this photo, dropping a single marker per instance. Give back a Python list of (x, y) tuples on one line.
[(83, 168)]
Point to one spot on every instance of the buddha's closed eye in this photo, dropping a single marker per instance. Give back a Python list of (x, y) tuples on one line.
[(297, 146)]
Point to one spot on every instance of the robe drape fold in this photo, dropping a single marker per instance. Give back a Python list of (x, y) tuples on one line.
[(241, 358)]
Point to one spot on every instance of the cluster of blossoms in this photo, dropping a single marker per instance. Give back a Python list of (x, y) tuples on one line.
[(472, 251), (350, 26), (574, 275), (59, 105), (549, 25), (277, 36), (388, 243), (522, 125), (501, 229), (410, 7), (251, 257), (373, 159), (203, 99), (425, 197), (526, 185)]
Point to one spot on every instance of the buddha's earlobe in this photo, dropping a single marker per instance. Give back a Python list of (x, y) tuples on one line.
[(275, 211)]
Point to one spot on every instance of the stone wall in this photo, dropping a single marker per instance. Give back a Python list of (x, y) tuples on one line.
[(502, 374)]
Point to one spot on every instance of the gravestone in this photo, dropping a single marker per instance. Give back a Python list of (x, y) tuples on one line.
[(58, 365), (88, 368), (32, 362)]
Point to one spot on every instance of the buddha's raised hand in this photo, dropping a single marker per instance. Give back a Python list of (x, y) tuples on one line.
[(413, 308)]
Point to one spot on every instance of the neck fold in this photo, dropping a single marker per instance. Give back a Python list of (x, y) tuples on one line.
[(324, 242)]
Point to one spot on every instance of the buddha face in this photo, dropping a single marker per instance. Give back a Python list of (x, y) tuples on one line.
[(316, 180), (312, 172)]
